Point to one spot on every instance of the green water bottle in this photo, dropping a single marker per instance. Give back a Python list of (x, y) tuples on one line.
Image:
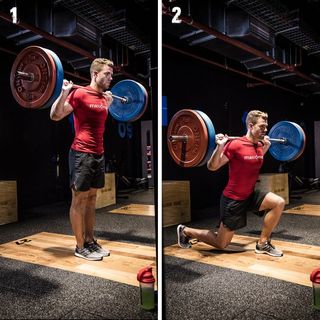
[(146, 285), (315, 278)]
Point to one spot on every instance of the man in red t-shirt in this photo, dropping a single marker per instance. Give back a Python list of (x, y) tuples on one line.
[(245, 157), (86, 158)]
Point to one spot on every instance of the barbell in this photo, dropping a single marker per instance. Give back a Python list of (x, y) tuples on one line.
[(185, 138), (191, 139), (36, 81)]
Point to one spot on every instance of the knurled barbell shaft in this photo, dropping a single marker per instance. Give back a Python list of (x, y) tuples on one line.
[(28, 76), (184, 138)]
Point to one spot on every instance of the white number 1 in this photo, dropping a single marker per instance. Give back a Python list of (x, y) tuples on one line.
[(13, 12)]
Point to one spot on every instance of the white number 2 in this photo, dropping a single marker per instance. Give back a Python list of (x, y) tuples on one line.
[(176, 19)]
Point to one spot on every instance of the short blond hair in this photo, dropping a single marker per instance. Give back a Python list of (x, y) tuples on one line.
[(98, 63), (254, 115)]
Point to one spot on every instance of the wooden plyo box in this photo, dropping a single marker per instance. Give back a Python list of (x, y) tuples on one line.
[(107, 195), (8, 202), (274, 182), (175, 202)]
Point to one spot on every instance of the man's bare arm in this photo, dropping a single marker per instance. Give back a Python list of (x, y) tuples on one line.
[(61, 108), (218, 159)]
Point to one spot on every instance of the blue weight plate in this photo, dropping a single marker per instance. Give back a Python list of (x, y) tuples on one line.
[(137, 100), (302, 149), (59, 80), (294, 145), (142, 111), (211, 138)]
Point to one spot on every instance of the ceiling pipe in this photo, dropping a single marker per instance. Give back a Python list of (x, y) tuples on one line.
[(71, 74), (7, 51), (225, 67), (125, 73), (236, 43)]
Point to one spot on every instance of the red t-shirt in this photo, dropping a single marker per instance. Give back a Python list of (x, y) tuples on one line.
[(245, 161), (90, 111)]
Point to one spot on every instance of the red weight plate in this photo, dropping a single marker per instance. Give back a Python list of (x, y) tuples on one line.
[(191, 153), (33, 94)]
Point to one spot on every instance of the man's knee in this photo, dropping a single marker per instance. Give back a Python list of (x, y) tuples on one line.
[(79, 198), (223, 236), (221, 245), (275, 201), (280, 203), (277, 207)]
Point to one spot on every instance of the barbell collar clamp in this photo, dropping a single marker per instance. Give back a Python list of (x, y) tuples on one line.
[(183, 138), (281, 140), (28, 76), (122, 99)]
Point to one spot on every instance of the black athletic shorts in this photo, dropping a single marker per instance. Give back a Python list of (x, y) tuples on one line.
[(233, 213), (86, 170)]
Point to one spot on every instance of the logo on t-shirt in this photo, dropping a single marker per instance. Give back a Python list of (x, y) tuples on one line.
[(97, 106), (255, 157)]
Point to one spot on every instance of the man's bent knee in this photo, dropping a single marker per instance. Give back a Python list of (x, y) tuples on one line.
[(221, 245), (281, 202), (272, 201)]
